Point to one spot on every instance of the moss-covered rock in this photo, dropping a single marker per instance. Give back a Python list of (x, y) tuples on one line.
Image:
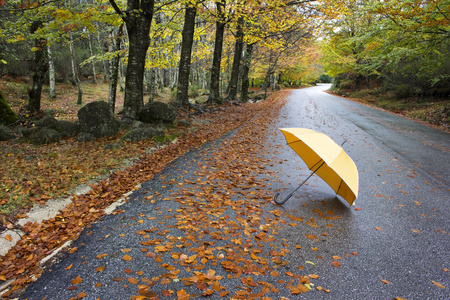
[(6, 134), (7, 115), (45, 136), (139, 134), (157, 112)]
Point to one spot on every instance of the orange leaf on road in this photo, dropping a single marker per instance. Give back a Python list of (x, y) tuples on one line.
[(126, 257), (77, 280)]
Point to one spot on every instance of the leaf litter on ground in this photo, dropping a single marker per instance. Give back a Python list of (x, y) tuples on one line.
[(224, 213)]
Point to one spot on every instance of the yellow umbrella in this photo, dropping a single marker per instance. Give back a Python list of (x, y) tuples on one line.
[(326, 159)]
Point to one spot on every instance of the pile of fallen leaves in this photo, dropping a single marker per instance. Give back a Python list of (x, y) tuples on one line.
[(22, 263)]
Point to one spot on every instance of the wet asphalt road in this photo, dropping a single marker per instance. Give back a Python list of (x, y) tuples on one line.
[(394, 243)]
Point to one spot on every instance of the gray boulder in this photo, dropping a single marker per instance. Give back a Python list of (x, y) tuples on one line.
[(83, 137), (45, 136), (139, 134), (157, 112), (6, 134), (96, 118)]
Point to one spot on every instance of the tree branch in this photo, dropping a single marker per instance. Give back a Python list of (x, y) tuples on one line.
[(116, 8)]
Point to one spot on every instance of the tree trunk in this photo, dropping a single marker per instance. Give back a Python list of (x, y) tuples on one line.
[(51, 73), (102, 51), (75, 76), (114, 75), (138, 20), (238, 47), (185, 56), (245, 71), (39, 69), (214, 91), (91, 52), (138, 28)]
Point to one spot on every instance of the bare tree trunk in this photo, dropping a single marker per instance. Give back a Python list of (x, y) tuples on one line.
[(102, 51), (234, 80), (75, 76), (39, 70), (138, 28), (114, 70), (51, 73), (91, 52), (214, 91), (245, 71), (185, 56)]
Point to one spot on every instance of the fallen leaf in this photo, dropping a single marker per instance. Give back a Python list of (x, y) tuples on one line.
[(69, 267), (439, 285), (182, 295), (313, 276), (167, 293), (117, 279), (77, 280), (126, 257), (100, 256), (336, 263), (311, 237), (8, 238), (82, 295), (100, 269), (132, 280), (385, 281)]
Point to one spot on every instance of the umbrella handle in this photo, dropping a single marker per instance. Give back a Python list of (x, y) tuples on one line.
[(275, 198)]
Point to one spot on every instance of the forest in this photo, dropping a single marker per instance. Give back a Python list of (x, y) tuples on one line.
[(376, 48)]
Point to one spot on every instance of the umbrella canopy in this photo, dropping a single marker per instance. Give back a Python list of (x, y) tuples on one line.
[(326, 159)]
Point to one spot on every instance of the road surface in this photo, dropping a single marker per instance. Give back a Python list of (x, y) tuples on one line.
[(395, 242)]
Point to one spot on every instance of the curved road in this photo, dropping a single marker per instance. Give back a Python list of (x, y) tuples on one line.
[(394, 243)]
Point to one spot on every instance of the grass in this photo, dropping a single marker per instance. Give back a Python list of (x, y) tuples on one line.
[(431, 111)]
